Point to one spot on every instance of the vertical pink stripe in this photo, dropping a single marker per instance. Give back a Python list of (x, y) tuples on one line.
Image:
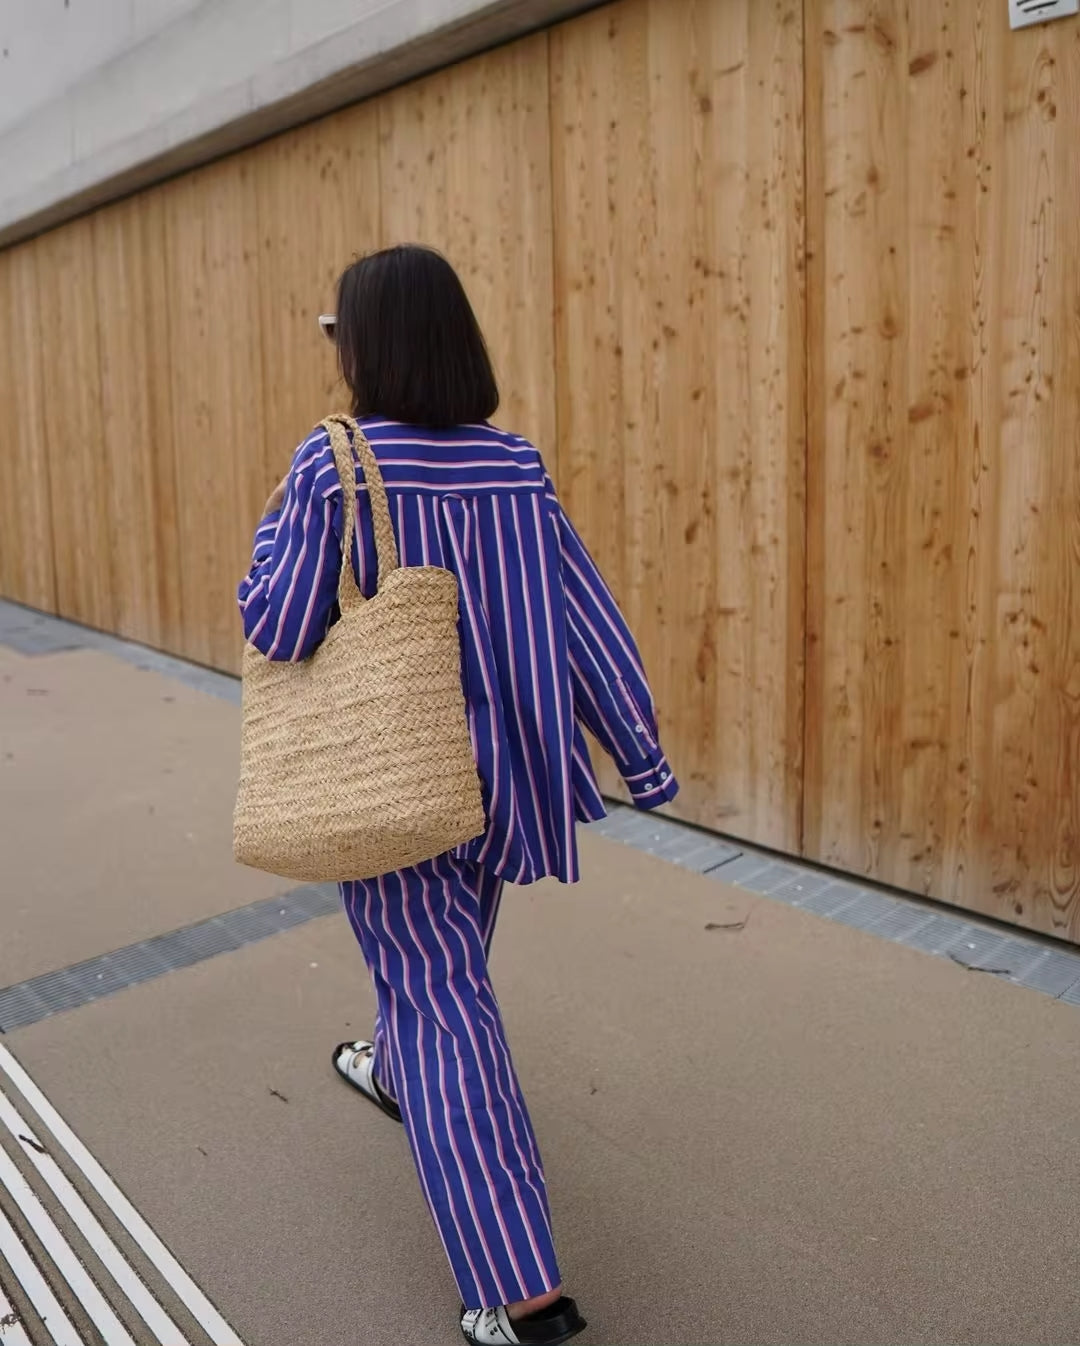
[(289, 517), (287, 520), (427, 1101), (254, 591), (585, 775), (534, 670), (512, 824), (597, 591), (316, 583), (504, 589), (482, 1074), (360, 544), (478, 646), (433, 1002), (293, 581), (485, 601), (407, 1106), (558, 690), (481, 568), (514, 829), (493, 1032), (586, 692)]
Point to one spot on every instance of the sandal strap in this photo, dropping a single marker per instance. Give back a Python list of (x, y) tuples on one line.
[(369, 1086)]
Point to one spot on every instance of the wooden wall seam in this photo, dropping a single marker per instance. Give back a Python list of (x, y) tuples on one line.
[(47, 470), (73, 425), (813, 133), (553, 452)]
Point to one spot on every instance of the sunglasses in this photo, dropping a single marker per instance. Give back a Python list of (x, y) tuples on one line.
[(328, 325)]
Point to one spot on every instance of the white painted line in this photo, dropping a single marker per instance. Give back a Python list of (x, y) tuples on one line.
[(153, 1315), (67, 1263), (193, 1299), (25, 1271), (12, 1332)]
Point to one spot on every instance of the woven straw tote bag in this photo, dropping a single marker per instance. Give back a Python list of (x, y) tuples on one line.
[(358, 760)]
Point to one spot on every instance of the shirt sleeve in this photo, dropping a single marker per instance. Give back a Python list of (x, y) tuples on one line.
[(289, 596), (611, 693)]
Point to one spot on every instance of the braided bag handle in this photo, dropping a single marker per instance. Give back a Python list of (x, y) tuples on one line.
[(337, 427)]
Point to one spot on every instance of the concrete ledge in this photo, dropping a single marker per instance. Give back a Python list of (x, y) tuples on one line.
[(225, 76)]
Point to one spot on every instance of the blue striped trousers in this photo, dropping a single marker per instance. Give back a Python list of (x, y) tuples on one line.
[(441, 1052)]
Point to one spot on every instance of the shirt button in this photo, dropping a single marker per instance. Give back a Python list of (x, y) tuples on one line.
[(639, 729), (663, 775)]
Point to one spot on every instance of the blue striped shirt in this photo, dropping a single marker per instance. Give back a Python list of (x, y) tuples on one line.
[(545, 649)]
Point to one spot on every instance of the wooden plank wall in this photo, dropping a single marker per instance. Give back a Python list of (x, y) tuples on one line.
[(678, 143), (27, 572), (318, 201), (74, 431), (136, 410), (465, 165), (786, 290), (943, 685)]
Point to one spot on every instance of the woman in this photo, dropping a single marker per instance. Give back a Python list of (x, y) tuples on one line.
[(545, 651)]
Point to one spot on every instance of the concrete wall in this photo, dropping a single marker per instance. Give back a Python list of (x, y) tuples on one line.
[(99, 97)]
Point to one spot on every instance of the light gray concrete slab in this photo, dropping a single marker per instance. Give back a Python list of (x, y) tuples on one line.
[(116, 796)]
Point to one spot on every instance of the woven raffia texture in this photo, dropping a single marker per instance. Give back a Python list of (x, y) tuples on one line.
[(358, 761)]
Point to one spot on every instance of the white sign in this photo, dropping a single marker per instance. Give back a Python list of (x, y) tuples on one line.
[(1023, 13)]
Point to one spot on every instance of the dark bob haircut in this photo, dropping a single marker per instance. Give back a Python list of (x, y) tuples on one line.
[(408, 342)]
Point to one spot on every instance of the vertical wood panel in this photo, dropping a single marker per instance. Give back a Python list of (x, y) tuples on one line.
[(218, 418), (26, 544), (136, 395), (1030, 833), (318, 208), (677, 150), (74, 431), (465, 166), (943, 710)]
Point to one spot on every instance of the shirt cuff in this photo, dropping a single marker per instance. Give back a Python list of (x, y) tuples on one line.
[(654, 786)]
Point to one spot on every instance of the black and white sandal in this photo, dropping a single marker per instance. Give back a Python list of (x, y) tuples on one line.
[(549, 1327), (355, 1063)]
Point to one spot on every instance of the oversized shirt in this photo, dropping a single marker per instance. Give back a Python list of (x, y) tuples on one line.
[(545, 650)]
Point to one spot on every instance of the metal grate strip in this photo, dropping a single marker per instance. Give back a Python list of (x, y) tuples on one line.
[(37, 633), (666, 839), (72, 987)]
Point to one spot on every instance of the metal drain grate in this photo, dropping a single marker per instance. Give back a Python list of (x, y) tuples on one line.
[(71, 987)]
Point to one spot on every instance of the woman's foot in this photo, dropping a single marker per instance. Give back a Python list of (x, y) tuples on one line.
[(549, 1326), (525, 1308), (355, 1063)]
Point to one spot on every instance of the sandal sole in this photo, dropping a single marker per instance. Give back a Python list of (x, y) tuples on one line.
[(372, 1099), (552, 1341)]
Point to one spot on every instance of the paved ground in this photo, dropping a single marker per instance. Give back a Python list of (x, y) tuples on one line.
[(791, 1132)]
